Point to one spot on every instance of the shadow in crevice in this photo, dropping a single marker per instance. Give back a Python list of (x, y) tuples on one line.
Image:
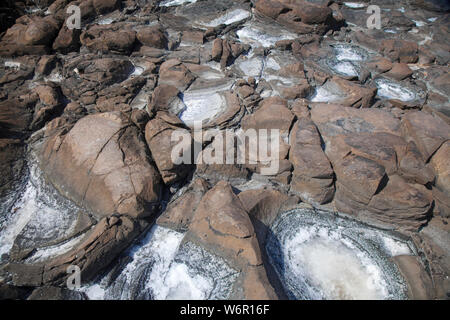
[(263, 233)]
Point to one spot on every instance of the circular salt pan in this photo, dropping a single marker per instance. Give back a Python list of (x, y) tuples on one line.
[(345, 68), (229, 17), (201, 106), (346, 52), (171, 3), (266, 36), (393, 90), (163, 267), (318, 256)]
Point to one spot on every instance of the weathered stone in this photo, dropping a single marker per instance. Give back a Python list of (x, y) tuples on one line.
[(441, 165), (175, 73), (180, 212), (426, 131), (420, 285), (158, 134), (106, 39), (400, 50), (152, 37), (102, 163), (399, 71)]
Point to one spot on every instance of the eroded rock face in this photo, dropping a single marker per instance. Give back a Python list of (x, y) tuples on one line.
[(300, 16), (440, 164), (222, 225), (29, 36), (109, 237), (337, 90), (363, 115), (179, 213), (375, 167), (107, 39), (427, 132), (158, 134), (102, 164)]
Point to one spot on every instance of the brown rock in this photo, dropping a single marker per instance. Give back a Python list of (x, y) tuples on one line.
[(221, 224), (162, 97), (105, 6), (441, 165), (313, 176), (46, 64), (152, 37), (179, 213), (420, 286), (265, 205), (334, 119), (158, 134), (194, 37), (102, 163), (100, 38), (426, 131), (217, 50), (379, 65), (68, 40), (273, 114), (175, 73), (399, 71), (400, 50), (29, 36)]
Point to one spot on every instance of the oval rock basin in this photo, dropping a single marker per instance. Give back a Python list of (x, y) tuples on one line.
[(320, 256)]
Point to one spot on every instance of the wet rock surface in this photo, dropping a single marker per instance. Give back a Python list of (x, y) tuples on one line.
[(87, 117)]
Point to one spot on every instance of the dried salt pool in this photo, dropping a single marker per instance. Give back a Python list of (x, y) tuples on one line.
[(38, 219), (320, 256), (389, 89), (346, 59), (163, 267)]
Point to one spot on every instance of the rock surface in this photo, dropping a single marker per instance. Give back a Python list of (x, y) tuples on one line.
[(88, 117), (103, 164)]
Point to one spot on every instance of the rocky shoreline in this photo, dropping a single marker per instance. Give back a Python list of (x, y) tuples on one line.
[(87, 118)]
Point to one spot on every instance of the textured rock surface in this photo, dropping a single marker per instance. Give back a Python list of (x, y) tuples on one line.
[(222, 225), (102, 163), (363, 116)]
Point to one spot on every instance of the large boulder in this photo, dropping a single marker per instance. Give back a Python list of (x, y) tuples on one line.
[(426, 131), (400, 50), (29, 36), (299, 16), (109, 39), (102, 164), (379, 175), (441, 191), (152, 37)]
